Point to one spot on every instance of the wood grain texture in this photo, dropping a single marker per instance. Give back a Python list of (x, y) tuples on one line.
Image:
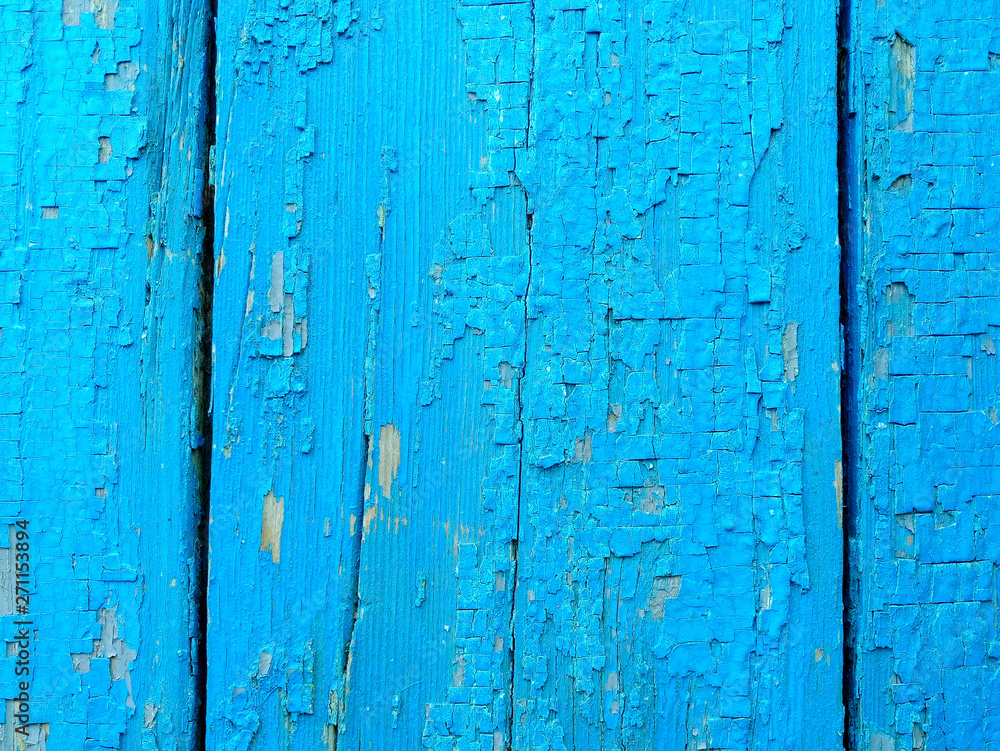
[(291, 322), (922, 295), (100, 191), (526, 354), (379, 429), (527, 368)]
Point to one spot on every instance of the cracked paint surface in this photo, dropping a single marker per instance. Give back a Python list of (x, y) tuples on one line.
[(289, 335), (676, 576), (922, 290), (526, 374), (100, 190), (571, 375)]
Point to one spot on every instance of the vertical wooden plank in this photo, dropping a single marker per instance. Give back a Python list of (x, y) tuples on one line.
[(572, 333), (100, 187), (679, 557), (925, 107)]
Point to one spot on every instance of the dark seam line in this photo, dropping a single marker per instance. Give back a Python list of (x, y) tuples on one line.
[(516, 542), (203, 384), (846, 207), (354, 587)]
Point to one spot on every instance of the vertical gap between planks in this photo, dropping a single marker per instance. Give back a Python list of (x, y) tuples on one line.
[(203, 374), (847, 205)]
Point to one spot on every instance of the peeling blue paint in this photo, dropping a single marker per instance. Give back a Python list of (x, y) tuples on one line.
[(923, 294), (528, 364), (100, 246), (578, 309), (289, 333)]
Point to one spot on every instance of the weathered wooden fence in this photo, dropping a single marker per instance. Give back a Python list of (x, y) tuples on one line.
[(536, 374)]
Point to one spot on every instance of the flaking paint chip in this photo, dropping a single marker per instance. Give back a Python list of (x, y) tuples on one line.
[(388, 458), (790, 350), (272, 519)]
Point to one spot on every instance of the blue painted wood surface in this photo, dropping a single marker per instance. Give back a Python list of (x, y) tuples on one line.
[(555, 466), (531, 328), (923, 281), (678, 561), (100, 246), (292, 331)]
